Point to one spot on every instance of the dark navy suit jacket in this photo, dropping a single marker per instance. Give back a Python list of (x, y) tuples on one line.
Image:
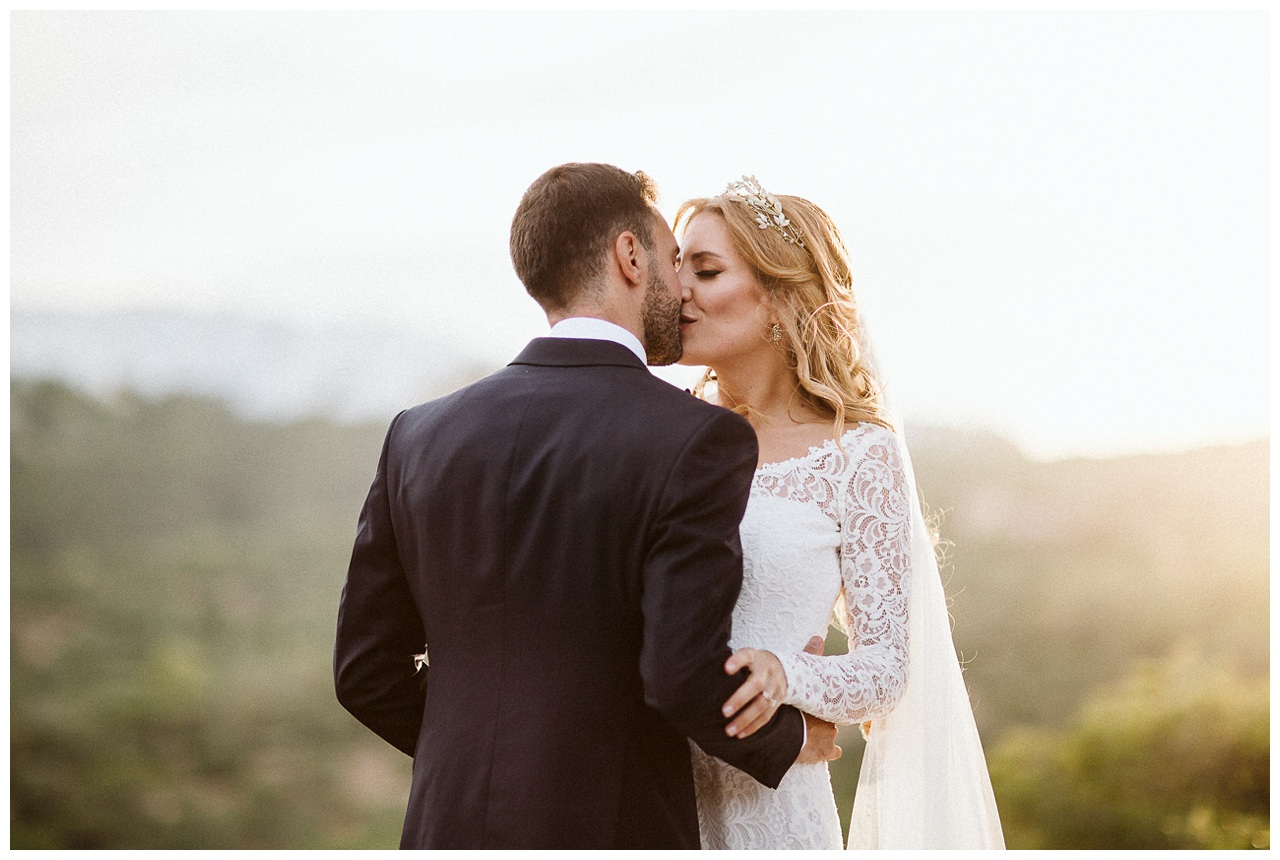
[(563, 535)]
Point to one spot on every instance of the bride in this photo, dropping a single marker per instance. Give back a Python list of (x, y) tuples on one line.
[(833, 522)]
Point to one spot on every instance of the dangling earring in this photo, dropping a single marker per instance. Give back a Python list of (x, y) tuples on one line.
[(777, 334)]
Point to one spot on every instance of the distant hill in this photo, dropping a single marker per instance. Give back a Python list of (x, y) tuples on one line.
[(261, 369), (1063, 574)]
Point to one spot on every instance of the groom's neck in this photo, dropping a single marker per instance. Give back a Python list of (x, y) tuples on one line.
[(623, 317)]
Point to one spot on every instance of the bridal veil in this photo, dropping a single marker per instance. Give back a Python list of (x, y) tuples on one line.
[(924, 780)]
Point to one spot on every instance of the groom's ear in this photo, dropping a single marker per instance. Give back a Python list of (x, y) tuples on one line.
[(626, 256)]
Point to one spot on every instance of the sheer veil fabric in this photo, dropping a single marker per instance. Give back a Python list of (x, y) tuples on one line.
[(924, 780)]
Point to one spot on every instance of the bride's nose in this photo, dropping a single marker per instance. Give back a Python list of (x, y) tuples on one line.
[(686, 285)]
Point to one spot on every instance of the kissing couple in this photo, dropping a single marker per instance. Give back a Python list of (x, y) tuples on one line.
[(624, 586)]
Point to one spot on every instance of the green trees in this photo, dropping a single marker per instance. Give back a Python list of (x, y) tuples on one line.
[(174, 578), (1175, 756)]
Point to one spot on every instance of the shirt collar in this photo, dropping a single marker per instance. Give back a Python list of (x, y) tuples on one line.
[(591, 328)]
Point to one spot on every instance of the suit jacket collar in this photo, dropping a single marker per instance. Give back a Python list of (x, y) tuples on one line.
[(577, 352)]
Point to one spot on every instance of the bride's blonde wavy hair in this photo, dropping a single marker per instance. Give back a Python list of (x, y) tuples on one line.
[(811, 290)]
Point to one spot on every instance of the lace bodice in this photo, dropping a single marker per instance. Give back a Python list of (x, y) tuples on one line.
[(861, 495), (834, 521)]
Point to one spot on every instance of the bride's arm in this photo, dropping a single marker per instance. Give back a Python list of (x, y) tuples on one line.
[(875, 567)]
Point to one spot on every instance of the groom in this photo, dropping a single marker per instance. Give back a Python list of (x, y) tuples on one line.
[(563, 535)]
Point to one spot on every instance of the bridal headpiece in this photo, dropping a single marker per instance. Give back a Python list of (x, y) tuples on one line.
[(768, 208)]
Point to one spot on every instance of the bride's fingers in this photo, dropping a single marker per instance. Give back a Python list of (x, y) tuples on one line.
[(742, 696), (753, 717), (743, 658), (765, 684)]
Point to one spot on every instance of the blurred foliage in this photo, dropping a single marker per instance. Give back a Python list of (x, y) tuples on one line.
[(175, 573), (174, 580), (1176, 755)]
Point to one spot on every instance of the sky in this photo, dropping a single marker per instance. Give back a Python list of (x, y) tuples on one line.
[(1058, 222)]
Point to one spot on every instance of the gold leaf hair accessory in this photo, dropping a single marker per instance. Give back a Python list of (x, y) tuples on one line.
[(768, 208)]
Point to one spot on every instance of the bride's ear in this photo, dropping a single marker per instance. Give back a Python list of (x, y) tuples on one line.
[(626, 256)]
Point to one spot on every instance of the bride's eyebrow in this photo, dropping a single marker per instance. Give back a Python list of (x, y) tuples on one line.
[(702, 255)]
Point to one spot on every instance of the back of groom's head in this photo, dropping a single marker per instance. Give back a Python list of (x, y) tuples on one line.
[(567, 222)]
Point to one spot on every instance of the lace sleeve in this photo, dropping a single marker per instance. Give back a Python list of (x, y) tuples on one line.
[(875, 564)]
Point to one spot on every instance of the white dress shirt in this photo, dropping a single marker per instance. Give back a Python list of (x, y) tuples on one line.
[(591, 328)]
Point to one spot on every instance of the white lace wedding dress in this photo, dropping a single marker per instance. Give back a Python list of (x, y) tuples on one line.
[(829, 522)]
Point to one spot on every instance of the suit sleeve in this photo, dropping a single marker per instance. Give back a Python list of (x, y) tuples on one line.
[(693, 573), (379, 629)]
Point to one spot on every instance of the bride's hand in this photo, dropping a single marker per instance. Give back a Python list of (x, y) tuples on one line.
[(771, 689), (757, 700)]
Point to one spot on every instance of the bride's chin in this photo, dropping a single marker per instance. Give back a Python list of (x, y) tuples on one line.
[(697, 357), (692, 359), (690, 355)]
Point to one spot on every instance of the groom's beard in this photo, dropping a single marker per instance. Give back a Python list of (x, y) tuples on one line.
[(661, 318)]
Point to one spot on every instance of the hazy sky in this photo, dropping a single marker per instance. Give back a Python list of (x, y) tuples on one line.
[(1058, 221)]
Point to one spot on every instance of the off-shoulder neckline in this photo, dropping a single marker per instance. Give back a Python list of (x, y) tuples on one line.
[(814, 450)]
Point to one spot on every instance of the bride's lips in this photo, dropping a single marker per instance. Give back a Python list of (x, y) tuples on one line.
[(686, 321)]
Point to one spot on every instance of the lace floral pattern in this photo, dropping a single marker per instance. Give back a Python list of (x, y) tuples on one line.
[(833, 521), (875, 560)]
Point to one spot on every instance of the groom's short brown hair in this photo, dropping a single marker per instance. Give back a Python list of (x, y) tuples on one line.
[(567, 221)]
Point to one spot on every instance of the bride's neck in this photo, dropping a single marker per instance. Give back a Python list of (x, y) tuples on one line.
[(767, 390)]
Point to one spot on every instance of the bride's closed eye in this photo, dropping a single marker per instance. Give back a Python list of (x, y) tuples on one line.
[(706, 274)]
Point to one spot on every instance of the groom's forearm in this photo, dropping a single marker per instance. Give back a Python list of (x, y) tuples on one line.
[(767, 754), (379, 629), (691, 703), (373, 675), (373, 669), (394, 712)]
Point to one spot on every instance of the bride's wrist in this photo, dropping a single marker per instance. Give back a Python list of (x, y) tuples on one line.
[(789, 671)]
